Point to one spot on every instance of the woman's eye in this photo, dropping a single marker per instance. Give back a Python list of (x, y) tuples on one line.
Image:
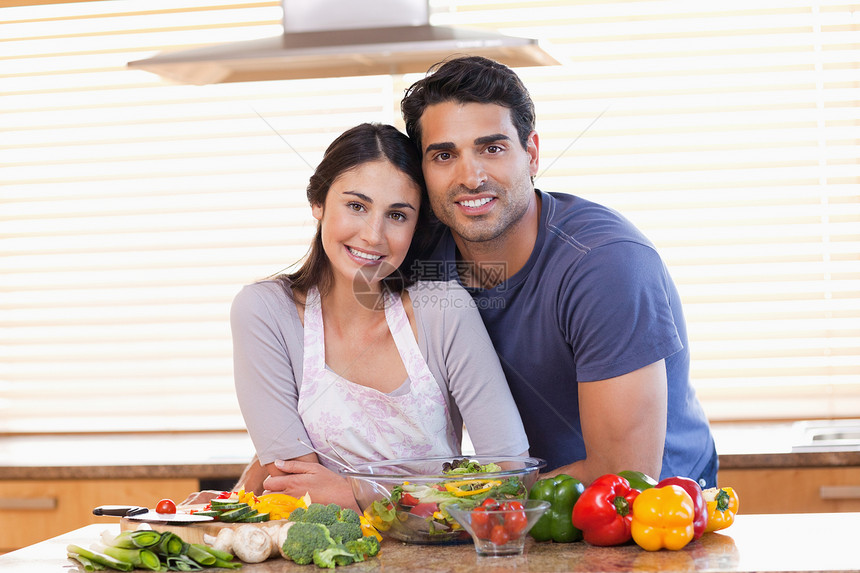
[(357, 207), (398, 216)]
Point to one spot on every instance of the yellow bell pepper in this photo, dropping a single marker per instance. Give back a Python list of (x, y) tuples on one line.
[(367, 530), (467, 487), (722, 504), (663, 518), (278, 505)]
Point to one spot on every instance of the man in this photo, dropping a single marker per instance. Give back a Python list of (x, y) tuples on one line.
[(579, 306)]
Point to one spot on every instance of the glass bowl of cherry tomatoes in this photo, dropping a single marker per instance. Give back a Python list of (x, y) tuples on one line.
[(499, 528)]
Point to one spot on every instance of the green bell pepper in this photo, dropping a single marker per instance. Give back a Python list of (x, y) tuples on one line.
[(556, 524), (638, 480)]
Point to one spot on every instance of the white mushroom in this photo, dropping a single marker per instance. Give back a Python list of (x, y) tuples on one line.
[(273, 530), (223, 542), (251, 544), (282, 536)]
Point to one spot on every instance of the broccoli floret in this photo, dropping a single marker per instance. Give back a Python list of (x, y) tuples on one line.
[(296, 514), (333, 556), (343, 532), (319, 513), (303, 539), (363, 548), (348, 515)]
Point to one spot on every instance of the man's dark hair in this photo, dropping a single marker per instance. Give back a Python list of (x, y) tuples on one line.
[(469, 79)]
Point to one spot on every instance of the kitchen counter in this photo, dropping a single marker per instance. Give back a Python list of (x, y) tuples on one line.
[(223, 455), (793, 542)]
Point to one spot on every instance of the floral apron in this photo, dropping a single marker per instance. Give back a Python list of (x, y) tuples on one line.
[(362, 423)]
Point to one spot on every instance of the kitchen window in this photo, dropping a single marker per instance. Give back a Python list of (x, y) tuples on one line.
[(132, 209)]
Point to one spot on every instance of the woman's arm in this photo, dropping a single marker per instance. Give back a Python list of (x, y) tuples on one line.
[(305, 474), (267, 342), (475, 379)]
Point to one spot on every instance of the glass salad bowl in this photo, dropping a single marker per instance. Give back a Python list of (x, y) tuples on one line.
[(499, 529), (407, 499)]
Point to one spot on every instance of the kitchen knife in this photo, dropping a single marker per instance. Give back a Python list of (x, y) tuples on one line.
[(119, 510), (178, 518)]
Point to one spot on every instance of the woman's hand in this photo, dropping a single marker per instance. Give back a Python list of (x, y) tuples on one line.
[(300, 477)]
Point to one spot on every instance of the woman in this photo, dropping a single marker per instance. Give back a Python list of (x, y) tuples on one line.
[(344, 353)]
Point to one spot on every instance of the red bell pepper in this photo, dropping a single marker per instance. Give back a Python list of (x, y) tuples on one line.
[(700, 521), (604, 511)]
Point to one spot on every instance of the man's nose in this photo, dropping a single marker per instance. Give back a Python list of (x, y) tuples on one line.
[(471, 173)]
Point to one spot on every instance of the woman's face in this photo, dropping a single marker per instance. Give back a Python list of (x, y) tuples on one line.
[(368, 221)]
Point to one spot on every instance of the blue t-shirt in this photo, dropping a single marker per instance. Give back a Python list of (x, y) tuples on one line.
[(594, 301)]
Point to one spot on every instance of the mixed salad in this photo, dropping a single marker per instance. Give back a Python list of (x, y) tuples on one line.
[(421, 508)]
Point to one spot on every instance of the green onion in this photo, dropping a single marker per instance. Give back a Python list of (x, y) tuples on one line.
[(182, 563), (170, 544), (200, 555), (88, 565), (141, 558), (100, 558), (134, 539), (222, 555)]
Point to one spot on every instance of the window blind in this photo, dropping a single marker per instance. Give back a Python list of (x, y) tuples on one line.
[(133, 209)]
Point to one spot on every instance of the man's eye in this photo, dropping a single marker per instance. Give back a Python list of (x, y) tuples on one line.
[(355, 206), (444, 156), (493, 149)]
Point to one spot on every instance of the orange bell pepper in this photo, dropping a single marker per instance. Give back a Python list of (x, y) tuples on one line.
[(663, 518), (722, 504)]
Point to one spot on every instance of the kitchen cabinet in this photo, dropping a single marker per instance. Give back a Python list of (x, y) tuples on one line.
[(795, 490), (34, 510)]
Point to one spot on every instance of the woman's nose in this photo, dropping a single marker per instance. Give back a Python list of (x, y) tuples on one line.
[(371, 231)]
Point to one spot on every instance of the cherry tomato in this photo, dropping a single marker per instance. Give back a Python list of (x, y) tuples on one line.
[(490, 504), (515, 523), (499, 535), (424, 509), (165, 506), (408, 499), (481, 523)]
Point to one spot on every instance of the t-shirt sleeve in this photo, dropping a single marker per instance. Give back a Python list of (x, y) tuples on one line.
[(619, 316), (263, 371), (475, 377)]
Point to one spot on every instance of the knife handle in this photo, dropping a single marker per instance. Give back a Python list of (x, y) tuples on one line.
[(120, 510)]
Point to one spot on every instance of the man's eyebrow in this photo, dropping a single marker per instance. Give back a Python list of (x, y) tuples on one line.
[(439, 146), (483, 140), (367, 199), (491, 138)]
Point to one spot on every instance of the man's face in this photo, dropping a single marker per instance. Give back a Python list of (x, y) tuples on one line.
[(478, 174)]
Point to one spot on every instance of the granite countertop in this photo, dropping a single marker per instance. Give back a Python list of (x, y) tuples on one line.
[(752, 543), (223, 455)]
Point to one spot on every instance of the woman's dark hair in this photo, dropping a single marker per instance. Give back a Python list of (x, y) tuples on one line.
[(361, 144), (469, 79)]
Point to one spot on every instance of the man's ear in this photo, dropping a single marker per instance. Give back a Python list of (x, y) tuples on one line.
[(532, 146), (317, 211)]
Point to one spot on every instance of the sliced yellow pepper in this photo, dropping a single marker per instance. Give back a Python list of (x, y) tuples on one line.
[(459, 488), (374, 521), (368, 530), (722, 504), (663, 517)]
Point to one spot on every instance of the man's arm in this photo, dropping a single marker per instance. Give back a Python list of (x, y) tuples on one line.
[(623, 424)]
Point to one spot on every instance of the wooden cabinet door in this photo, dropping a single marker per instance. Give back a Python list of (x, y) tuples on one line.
[(795, 490), (34, 510)]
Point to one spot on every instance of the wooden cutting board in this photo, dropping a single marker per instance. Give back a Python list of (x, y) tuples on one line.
[(193, 532)]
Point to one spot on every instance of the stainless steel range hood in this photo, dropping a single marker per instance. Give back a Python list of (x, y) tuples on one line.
[(335, 38)]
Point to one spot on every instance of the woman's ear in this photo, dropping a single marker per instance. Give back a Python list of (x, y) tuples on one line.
[(317, 211)]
